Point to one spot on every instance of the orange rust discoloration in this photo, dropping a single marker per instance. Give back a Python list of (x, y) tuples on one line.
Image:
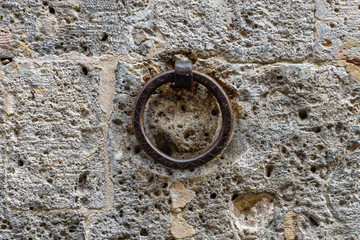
[(231, 91), (130, 129), (351, 64), (238, 109), (354, 60), (343, 50)]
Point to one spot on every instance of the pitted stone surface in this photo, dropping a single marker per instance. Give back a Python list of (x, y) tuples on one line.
[(343, 192), (337, 27), (179, 123), (141, 207), (54, 226), (53, 133), (71, 168), (254, 32), (239, 32), (296, 119)]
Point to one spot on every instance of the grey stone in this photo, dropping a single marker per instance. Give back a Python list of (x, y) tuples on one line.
[(52, 136), (54, 226), (337, 28), (255, 32), (71, 167)]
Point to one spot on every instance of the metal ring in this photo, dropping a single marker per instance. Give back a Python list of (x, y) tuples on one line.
[(221, 141)]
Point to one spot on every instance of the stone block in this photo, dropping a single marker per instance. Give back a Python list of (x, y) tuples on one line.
[(53, 136), (254, 32), (292, 122)]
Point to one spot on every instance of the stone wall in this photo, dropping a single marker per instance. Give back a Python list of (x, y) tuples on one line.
[(71, 168)]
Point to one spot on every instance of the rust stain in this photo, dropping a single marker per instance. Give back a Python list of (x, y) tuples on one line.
[(231, 91), (341, 53), (238, 109), (354, 60)]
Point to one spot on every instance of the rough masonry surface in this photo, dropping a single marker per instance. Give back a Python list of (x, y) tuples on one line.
[(70, 165)]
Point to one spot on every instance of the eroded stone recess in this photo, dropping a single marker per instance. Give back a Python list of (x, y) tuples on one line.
[(52, 136), (179, 123)]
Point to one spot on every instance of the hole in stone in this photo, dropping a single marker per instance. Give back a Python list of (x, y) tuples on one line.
[(6, 60), (189, 133), (213, 195), (163, 144), (352, 146), (85, 48), (244, 34), (336, 10), (104, 37), (317, 129), (177, 120), (234, 196), (85, 70), (313, 169), (83, 178), (320, 147), (137, 149), (303, 114), (326, 43), (51, 10), (117, 121), (144, 232), (45, 3), (332, 25), (157, 192), (268, 170), (338, 127), (313, 222), (20, 163), (191, 170), (215, 112)]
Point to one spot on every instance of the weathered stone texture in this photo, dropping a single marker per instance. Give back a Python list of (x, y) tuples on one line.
[(54, 226), (238, 32), (260, 31), (53, 133), (337, 28), (70, 165)]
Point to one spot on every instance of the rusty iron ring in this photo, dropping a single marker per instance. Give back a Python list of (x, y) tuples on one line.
[(221, 141)]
